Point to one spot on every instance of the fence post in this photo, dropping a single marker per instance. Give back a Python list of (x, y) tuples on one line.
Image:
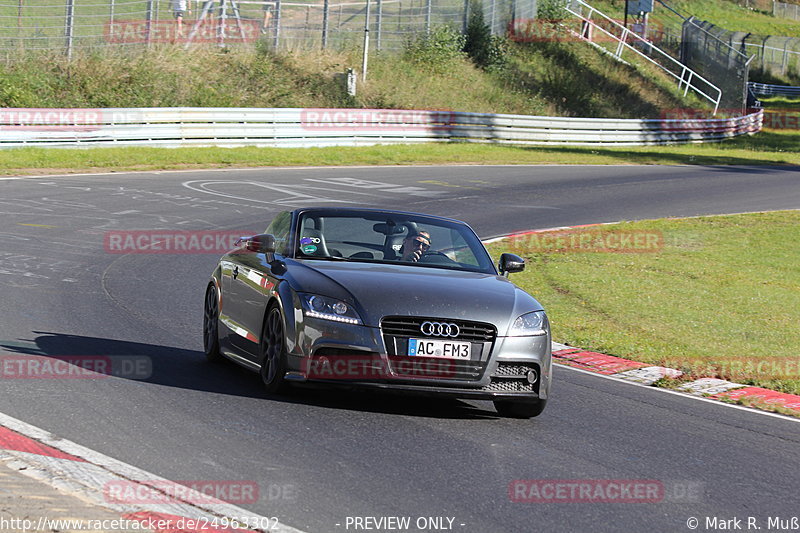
[(149, 22), (379, 22), (110, 17), (785, 60), (69, 26), (428, 16), (366, 45), (326, 8), (19, 23), (277, 36)]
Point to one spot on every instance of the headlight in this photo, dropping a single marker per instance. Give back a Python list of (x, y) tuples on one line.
[(530, 324), (326, 308)]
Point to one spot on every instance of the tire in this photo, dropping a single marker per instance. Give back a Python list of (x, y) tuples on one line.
[(211, 325), (273, 352), (520, 409)]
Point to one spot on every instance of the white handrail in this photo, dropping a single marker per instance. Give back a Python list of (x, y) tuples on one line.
[(623, 43)]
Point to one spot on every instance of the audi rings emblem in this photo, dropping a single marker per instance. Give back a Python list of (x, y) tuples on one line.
[(439, 329)]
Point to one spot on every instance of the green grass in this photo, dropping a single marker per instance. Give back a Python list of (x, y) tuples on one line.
[(722, 292), (539, 79), (723, 13), (761, 149)]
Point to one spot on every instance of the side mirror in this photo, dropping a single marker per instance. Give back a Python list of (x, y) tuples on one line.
[(510, 263), (260, 244)]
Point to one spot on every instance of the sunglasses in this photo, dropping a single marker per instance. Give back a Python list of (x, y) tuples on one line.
[(421, 242)]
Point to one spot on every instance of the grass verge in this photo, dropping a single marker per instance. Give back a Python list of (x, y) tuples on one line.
[(712, 296), (765, 148)]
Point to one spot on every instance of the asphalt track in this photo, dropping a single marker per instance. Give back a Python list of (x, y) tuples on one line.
[(321, 457)]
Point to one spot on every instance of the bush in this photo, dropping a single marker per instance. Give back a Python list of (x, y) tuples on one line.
[(437, 49), (551, 9), (486, 50)]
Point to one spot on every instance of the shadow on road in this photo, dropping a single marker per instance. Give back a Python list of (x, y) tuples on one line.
[(57, 355)]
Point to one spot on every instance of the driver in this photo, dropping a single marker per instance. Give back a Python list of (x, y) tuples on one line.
[(414, 245)]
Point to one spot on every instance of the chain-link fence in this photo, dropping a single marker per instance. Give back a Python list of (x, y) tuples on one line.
[(712, 52), (79, 24), (760, 5), (786, 11), (772, 55)]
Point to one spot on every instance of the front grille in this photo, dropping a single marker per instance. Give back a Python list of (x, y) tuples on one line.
[(409, 327), (397, 330), (513, 370), (512, 377), (509, 386), (436, 368)]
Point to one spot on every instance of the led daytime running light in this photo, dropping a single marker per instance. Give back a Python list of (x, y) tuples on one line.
[(335, 318)]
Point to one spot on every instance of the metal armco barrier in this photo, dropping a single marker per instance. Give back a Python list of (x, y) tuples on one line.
[(231, 127), (764, 89)]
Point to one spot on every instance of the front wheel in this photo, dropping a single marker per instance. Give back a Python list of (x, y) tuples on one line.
[(273, 352), (519, 409), (211, 325)]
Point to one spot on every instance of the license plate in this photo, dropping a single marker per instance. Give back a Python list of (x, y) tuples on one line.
[(437, 348)]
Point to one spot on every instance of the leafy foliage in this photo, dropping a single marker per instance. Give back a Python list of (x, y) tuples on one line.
[(551, 9), (486, 50), (437, 50)]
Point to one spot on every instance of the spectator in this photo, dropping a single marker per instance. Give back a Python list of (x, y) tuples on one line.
[(267, 17), (179, 8)]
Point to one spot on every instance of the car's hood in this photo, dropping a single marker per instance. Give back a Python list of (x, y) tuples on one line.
[(381, 290)]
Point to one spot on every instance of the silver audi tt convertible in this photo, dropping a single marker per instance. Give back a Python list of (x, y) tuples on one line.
[(381, 299)]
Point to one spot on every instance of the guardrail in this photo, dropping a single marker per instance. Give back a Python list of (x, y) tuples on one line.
[(231, 127), (765, 89)]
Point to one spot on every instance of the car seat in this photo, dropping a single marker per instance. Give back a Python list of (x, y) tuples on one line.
[(312, 243)]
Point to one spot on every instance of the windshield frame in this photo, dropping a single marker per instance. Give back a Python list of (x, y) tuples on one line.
[(472, 241)]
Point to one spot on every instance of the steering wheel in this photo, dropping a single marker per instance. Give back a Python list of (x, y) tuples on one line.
[(432, 254)]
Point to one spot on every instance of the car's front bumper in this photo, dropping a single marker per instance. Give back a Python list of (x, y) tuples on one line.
[(356, 356)]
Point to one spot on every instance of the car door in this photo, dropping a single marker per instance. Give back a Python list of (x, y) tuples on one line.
[(251, 283)]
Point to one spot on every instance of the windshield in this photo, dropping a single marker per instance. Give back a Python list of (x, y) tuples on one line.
[(391, 238)]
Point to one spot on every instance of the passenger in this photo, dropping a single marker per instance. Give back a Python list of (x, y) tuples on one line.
[(415, 245)]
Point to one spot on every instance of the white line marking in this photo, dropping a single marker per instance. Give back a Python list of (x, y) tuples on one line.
[(358, 167), (681, 394), (88, 479)]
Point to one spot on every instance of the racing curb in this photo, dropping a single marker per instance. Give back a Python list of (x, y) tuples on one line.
[(79, 471), (646, 374)]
